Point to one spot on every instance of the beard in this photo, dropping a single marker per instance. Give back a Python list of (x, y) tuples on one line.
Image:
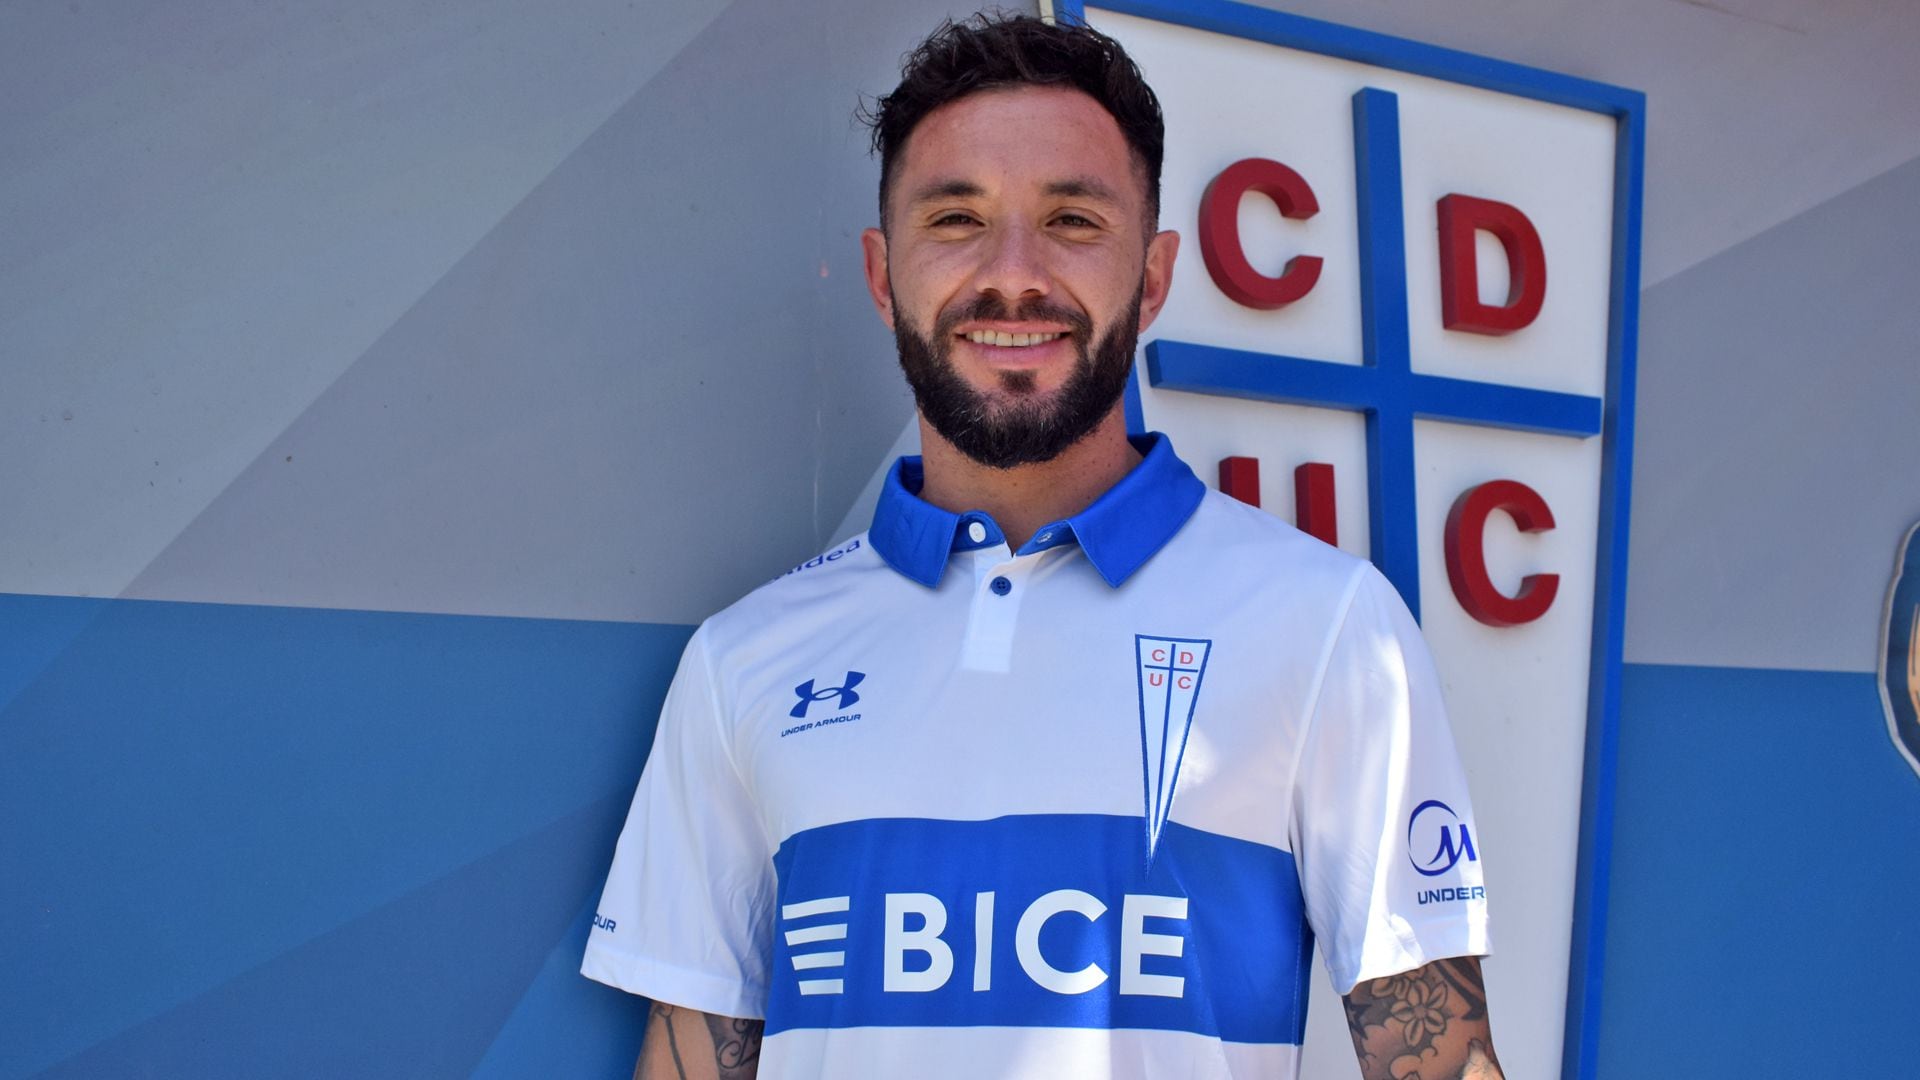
[(1018, 425)]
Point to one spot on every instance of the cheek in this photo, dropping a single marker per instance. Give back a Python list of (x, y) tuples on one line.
[(924, 287), (1106, 267)]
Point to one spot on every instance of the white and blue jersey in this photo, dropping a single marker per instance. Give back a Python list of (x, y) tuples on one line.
[(933, 807)]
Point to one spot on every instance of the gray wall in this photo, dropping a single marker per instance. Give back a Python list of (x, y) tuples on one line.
[(331, 335)]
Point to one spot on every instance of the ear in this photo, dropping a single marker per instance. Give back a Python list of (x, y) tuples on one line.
[(1159, 276), (873, 249)]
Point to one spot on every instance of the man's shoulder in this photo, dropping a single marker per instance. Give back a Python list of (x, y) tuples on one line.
[(1248, 546), (826, 585), (851, 553)]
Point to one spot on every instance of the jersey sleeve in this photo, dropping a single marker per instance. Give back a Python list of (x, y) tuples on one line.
[(1383, 829), (686, 915)]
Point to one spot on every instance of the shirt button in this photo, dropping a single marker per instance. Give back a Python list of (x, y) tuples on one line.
[(1044, 537), (1000, 586), (976, 532)]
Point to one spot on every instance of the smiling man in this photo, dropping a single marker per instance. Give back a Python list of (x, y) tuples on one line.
[(1061, 768)]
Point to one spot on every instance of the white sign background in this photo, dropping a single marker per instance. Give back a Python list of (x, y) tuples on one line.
[(1518, 696)]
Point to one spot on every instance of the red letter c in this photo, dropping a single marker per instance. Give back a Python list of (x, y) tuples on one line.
[(1220, 233), (1467, 554)]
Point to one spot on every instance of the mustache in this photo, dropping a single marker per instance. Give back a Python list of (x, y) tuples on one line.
[(985, 308)]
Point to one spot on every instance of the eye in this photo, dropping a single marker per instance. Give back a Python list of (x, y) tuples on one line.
[(954, 217), (1076, 221)]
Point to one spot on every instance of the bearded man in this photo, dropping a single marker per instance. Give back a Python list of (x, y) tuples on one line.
[(1062, 767)]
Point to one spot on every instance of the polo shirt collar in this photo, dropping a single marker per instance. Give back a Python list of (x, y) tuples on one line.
[(1118, 533)]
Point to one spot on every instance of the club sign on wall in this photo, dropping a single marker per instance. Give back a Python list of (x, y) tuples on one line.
[(1402, 318), (1900, 650)]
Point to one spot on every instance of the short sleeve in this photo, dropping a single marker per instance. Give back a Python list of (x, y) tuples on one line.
[(687, 913), (1383, 829)]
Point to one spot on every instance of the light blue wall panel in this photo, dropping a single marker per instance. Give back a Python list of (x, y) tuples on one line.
[(1766, 856), (261, 841)]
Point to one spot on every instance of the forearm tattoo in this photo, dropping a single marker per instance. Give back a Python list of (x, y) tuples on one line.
[(703, 1045), (736, 1045), (1429, 1024)]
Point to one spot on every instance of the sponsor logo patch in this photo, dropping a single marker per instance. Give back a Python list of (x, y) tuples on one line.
[(824, 558), (1437, 839)]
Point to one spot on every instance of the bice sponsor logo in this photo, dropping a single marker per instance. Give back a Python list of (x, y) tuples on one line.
[(916, 958), (1035, 920)]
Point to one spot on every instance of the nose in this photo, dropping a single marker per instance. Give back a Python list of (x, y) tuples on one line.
[(1014, 265)]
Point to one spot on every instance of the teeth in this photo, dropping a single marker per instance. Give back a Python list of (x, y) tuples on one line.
[(1010, 341)]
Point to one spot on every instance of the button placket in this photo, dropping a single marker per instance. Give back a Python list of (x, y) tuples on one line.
[(999, 584)]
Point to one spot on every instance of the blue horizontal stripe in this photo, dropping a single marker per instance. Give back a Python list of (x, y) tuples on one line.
[(1514, 407), (1245, 947), (1209, 369)]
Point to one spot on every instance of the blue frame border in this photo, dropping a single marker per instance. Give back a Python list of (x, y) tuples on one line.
[(1580, 1047)]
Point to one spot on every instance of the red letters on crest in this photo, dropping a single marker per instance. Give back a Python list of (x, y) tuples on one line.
[(1460, 218), (1460, 306), (1466, 526), (1220, 245), (1467, 556)]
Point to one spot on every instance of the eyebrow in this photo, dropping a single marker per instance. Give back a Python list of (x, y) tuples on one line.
[(1073, 187), (1082, 187), (948, 189)]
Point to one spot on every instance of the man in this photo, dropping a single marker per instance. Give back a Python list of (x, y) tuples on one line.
[(1058, 770)]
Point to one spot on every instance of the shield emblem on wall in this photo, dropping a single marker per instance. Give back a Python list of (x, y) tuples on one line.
[(1900, 651), (1408, 329)]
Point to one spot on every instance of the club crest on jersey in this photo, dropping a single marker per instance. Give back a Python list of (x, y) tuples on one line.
[(1169, 671)]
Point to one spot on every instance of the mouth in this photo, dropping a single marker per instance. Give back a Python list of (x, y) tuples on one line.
[(1000, 340), (1028, 350)]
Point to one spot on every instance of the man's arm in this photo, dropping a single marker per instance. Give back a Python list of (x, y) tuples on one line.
[(1426, 1024), (681, 1044)]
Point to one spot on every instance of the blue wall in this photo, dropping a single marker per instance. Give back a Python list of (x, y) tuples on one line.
[(1766, 860), (261, 841)]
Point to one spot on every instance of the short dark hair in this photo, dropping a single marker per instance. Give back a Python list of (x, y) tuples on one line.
[(990, 51)]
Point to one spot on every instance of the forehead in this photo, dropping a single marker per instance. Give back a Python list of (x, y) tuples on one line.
[(1007, 139)]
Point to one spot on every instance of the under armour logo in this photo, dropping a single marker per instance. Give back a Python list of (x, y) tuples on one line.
[(808, 695)]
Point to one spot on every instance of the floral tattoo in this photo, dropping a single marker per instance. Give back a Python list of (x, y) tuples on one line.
[(1428, 1024)]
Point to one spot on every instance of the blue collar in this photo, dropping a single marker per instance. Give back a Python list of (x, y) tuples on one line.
[(1118, 533)]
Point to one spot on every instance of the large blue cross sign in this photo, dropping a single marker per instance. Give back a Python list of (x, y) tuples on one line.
[(1384, 386), (1229, 73)]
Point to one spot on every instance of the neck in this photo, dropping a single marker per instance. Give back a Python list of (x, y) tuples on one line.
[(1026, 497)]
